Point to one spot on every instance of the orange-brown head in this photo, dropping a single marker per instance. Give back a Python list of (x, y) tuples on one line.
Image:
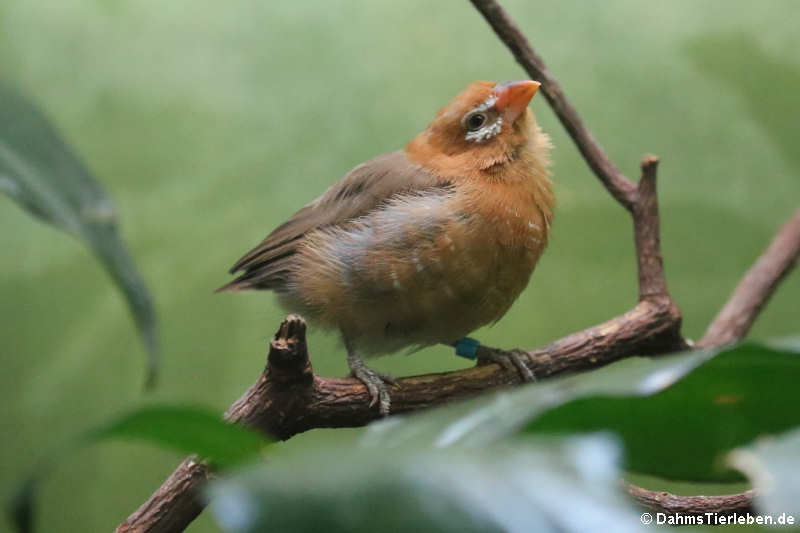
[(481, 130)]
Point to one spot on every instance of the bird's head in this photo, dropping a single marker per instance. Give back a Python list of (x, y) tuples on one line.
[(485, 127)]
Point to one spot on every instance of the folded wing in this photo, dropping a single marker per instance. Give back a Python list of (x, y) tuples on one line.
[(364, 189)]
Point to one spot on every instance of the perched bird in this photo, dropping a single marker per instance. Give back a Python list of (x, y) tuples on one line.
[(421, 246)]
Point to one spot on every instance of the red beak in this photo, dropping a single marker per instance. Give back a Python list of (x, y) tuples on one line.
[(513, 97)]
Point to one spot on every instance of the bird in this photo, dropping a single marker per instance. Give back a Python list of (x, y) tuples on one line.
[(419, 246)]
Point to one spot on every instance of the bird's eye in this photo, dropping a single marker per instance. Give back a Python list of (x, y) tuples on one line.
[(476, 121)]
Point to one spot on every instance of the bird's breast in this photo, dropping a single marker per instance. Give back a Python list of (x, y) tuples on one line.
[(422, 269)]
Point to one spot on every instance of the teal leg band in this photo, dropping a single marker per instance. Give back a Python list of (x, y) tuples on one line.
[(467, 347)]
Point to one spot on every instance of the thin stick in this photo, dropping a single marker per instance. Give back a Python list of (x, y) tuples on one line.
[(671, 504), (620, 187), (756, 287), (652, 282)]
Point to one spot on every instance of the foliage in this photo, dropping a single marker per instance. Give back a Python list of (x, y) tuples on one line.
[(772, 466), (447, 464), (40, 172), (184, 429), (553, 485)]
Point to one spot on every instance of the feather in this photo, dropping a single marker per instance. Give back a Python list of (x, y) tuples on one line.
[(364, 189)]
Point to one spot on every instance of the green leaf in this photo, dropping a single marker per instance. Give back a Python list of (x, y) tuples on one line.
[(683, 432), (40, 172), (190, 430), (676, 415), (546, 485), (187, 430), (773, 467)]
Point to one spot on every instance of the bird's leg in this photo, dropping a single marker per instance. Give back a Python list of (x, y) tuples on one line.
[(510, 360), (375, 382)]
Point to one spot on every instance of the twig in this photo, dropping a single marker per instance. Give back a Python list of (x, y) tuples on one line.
[(175, 504), (756, 287), (672, 504), (652, 282), (506, 29)]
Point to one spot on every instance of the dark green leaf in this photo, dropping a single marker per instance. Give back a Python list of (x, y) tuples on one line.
[(773, 467), (188, 430), (40, 172), (564, 485), (682, 432)]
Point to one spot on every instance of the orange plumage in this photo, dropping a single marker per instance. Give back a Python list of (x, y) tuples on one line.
[(423, 246)]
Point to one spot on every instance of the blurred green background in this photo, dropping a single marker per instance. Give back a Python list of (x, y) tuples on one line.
[(210, 122)]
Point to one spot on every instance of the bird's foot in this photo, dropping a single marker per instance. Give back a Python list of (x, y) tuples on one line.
[(376, 384), (510, 360)]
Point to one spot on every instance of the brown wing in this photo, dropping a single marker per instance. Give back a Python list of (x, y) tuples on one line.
[(362, 190)]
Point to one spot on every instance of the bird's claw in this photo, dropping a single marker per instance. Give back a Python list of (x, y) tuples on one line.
[(388, 378), (510, 360), (376, 386)]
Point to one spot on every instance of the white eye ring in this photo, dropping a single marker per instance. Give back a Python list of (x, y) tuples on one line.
[(485, 132)]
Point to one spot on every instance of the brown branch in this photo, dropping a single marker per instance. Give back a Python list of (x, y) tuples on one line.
[(287, 398), (506, 29), (174, 505), (671, 504), (756, 287), (652, 282), (295, 400)]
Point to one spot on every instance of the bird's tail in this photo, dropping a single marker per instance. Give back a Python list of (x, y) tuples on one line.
[(235, 285)]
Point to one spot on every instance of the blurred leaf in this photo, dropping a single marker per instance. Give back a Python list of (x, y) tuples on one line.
[(553, 485), (790, 343), (190, 430), (491, 418), (40, 172), (768, 84), (21, 509), (773, 467), (676, 415)]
